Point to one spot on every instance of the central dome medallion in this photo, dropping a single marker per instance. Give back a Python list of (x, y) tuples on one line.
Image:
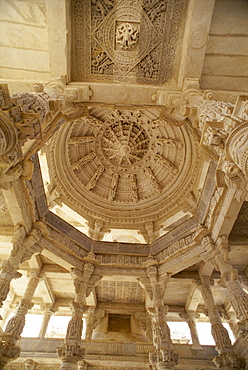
[(125, 143)]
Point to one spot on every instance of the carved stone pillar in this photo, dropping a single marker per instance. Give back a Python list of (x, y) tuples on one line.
[(46, 318), (230, 278), (6, 312), (190, 318), (23, 249), (164, 356), (8, 350), (16, 324), (72, 352), (226, 358), (232, 321), (84, 282), (219, 332)]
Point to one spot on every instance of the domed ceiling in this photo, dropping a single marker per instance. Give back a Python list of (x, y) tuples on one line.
[(125, 168)]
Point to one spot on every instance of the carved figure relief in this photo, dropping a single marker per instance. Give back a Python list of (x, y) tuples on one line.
[(127, 36)]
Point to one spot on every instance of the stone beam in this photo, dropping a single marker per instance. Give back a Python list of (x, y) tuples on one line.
[(229, 210), (193, 298), (61, 257), (46, 291), (19, 205), (199, 15), (58, 25)]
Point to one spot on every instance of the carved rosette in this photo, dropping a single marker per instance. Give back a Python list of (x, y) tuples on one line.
[(119, 160)]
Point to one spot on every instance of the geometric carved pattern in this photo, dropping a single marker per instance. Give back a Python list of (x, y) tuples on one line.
[(127, 40)]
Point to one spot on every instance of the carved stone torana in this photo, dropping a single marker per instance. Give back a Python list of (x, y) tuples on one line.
[(114, 160), (125, 41)]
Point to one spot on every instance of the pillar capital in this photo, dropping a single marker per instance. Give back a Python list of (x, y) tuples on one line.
[(164, 359), (70, 354), (229, 361)]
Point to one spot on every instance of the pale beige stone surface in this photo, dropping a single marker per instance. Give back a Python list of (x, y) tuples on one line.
[(136, 205)]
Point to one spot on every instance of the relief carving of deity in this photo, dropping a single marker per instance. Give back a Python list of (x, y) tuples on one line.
[(127, 36)]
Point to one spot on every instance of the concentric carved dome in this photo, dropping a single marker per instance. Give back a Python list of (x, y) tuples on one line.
[(124, 167), (125, 143)]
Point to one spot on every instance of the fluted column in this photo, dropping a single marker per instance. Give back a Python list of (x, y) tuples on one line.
[(190, 318), (226, 359), (8, 350), (47, 313)]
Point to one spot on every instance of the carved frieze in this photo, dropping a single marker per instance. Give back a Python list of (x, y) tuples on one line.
[(128, 40)]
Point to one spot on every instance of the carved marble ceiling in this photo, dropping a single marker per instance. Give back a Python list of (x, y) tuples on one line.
[(127, 40), (125, 169)]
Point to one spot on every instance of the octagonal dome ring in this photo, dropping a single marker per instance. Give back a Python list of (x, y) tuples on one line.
[(124, 167)]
